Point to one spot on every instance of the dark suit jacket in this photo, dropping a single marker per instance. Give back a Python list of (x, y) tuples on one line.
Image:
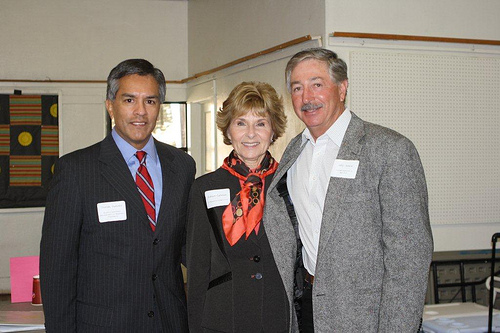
[(117, 276), (230, 289), (375, 243)]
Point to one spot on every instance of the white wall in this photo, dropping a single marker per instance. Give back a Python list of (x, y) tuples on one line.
[(240, 31), (270, 69), (80, 40), (444, 18), (82, 116), (83, 40), (82, 122), (221, 31), (20, 236)]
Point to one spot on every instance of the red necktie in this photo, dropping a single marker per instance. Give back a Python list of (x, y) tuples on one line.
[(146, 188)]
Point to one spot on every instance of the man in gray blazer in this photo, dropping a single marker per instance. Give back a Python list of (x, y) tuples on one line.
[(114, 223), (360, 197)]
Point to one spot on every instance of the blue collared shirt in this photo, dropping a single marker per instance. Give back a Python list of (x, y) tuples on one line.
[(152, 163)]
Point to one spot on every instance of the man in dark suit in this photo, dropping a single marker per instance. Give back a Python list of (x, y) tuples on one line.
[(111, 246), (361, 201)]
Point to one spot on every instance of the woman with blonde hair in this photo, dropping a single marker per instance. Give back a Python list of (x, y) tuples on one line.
[(233, 282)]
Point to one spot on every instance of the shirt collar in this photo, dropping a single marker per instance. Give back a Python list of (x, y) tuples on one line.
[(335, 133), (128, 151)]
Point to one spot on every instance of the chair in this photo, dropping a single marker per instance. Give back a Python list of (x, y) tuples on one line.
[(491, 281), (495, 289)]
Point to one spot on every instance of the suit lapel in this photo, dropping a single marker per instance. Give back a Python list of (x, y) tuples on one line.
[(279, 229), (116, 172), (290, 155), (221, 180), (338, 188), (169, 185)]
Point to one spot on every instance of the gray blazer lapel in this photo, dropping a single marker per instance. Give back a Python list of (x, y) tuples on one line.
[(116, 172), (279, 228), (339, 187), (290, 155)]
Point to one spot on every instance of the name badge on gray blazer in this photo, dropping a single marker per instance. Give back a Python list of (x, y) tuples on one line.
[(345, 168)]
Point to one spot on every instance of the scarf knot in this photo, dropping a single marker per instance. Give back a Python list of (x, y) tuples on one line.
[(244, 213)]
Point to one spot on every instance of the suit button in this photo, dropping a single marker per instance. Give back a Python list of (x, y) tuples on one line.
[(154, 277), (256, 258), (156, 241), (258, 276), (151, 314)]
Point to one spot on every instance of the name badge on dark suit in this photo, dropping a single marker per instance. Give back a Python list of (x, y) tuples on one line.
[(112, 211)]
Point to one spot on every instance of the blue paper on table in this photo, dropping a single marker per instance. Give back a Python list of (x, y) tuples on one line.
[(465, 324)]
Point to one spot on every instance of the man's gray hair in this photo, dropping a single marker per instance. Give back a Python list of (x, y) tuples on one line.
[(134, 66), (337, 68)]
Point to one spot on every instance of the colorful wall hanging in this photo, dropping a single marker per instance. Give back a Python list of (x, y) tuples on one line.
[(29, 148)]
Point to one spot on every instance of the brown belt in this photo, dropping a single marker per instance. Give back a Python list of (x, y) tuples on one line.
[(309, 278)]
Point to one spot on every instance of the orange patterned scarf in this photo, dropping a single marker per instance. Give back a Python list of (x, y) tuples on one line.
[(244, 212)]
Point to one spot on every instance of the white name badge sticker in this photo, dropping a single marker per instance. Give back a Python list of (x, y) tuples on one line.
[(216, 198), (111, 211), (345, 169)]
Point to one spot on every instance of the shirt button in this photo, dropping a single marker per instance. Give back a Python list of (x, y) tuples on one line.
[(154, 277), (258, 276), (256, 258), (151, 314), (156, 241)]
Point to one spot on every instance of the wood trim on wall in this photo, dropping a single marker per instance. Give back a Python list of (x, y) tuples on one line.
[(252, 56), (414, 38), (210, 71)]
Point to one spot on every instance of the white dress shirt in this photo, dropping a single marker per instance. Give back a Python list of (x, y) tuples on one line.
[(308, 180)]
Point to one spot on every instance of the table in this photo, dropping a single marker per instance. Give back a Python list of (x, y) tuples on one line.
[(29, 318), (458, 318)]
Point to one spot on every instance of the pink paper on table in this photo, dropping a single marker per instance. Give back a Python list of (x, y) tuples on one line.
[(22, 270)]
